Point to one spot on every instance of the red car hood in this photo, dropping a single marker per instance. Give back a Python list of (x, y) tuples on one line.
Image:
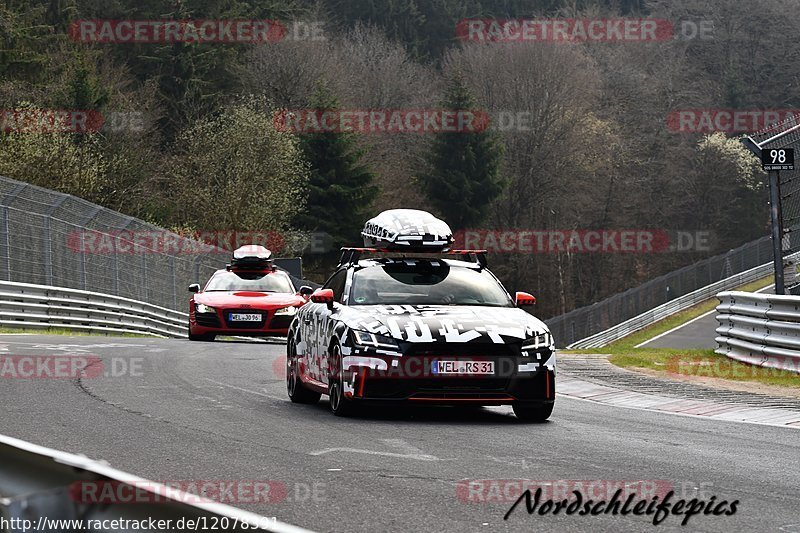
[(253, 300)]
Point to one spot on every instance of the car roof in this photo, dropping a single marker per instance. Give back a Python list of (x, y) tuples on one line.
[(411, 262), (245, 271)]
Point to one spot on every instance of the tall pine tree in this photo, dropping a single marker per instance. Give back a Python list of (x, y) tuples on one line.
[(464, 168), (340, 187)]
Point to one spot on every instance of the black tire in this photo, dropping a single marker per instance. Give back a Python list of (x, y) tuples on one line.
[(208, 337), (294, 386), (340, 406), (533, 412)]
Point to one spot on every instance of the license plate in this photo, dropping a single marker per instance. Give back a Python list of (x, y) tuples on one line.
[(470, 368), (244, 317)]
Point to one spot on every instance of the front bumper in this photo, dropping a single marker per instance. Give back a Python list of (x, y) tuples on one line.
[(218, 324), (386, 378)]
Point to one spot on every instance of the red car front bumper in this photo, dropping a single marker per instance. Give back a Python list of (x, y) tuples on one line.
[(219, 323)]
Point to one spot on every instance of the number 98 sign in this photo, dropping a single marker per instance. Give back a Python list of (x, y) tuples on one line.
[(777, 159)]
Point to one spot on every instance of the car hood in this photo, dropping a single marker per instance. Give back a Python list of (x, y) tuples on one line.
[(248, 299), (444, 323)]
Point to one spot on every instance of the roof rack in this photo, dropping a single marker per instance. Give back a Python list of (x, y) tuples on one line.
[(251, 268), (352, 255)]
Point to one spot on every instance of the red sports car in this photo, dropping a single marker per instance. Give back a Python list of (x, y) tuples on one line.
[(249, 298)]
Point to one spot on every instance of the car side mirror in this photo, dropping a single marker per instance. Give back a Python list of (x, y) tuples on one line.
[(194, 287), (323, 296), (305, 291), (524, 298)]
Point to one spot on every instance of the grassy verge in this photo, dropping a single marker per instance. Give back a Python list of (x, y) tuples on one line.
[(68, 333), (691, 364)]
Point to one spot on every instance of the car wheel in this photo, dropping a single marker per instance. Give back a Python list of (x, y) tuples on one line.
[(208, 337), (533, 412), (294, 386), (340, 406)]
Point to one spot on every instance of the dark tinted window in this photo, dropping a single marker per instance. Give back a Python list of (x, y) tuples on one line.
[(426, 283), (336, 283)]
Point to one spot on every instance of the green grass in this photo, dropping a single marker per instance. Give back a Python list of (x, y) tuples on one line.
[(700, 363), (68, 332)]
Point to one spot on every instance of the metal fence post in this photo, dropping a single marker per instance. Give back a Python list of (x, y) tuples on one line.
[(48, 237), (777, 229), (6, 204), (5, 255), (116, 256), (82, 257), (174, 282)]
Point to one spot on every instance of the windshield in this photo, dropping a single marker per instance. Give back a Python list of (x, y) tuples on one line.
[(424, 283), (230, 281)]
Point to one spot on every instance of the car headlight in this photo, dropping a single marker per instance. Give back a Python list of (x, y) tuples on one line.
[(204, 309), (286, 311), (540, 340), (365, 338)]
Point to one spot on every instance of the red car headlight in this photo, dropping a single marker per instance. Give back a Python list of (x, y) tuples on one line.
[(204, 309)]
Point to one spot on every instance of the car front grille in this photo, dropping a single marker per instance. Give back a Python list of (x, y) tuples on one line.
[(469, 349)]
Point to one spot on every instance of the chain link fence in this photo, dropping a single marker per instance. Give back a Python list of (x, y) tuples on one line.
[(787, 135), (587, 321), (43, 241), (51, 238)]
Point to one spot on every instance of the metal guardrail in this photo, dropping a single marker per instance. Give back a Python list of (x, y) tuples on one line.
[(760, 329), (24, 305), (38, 492), (677, 305)]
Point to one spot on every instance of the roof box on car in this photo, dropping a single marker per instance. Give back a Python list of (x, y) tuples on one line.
[(409, 230), (251, 257)]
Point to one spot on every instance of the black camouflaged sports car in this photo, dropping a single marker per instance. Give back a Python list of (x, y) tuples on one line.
[(419, 323)]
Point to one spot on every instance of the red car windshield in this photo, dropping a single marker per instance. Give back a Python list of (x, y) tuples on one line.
[(232, 281)]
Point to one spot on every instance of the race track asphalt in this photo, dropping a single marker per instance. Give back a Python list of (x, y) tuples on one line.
[(219, 411)]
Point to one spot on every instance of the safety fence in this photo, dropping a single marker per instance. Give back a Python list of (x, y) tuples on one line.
[(783, 135), (677, 305), (55, 239), (634, 307)]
